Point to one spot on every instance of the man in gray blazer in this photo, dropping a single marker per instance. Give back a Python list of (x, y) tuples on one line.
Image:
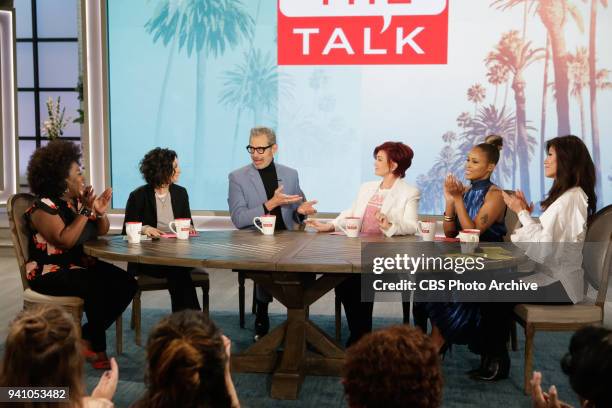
[(265, 187)]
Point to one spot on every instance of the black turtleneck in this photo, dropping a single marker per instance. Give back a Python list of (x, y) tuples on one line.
[(270, 182)]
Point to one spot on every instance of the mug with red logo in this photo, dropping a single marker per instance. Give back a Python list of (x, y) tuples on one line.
[(351, 227), (183, 226), (267, 224), (427, 229)]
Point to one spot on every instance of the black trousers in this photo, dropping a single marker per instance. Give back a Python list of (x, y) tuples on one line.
[(358, 313), (106, 290), (182, 292)]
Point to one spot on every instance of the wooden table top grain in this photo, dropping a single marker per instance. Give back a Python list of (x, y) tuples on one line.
[(286, 251)]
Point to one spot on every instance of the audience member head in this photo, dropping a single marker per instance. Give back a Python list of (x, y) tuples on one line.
[(160, 168), (570, 165), (186, 363), (394, 367), (55, 169), (588, 365), (262, 146), (483, 158), (42, 350), (392, 157)]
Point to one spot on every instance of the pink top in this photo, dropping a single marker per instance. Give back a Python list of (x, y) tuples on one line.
[(369, 224)]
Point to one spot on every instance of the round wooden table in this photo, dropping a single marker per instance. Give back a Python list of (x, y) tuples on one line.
[(297, 268)]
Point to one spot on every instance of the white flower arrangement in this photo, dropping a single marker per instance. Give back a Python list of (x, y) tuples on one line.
[(55, 124)]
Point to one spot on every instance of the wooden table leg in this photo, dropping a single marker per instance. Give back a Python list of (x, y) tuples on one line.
[(297, 291), (288, 377)]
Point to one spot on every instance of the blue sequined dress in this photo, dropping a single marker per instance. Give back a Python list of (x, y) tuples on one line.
[(458, 322)]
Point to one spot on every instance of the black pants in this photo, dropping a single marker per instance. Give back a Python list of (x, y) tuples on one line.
[(182, 292), (496, 319), (358, 313), (106, 290)]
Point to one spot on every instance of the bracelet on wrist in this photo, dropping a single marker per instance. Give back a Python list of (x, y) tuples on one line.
[(448, 218), (85, 211)]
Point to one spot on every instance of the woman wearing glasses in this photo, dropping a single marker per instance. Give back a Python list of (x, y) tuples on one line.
[(386, 207)]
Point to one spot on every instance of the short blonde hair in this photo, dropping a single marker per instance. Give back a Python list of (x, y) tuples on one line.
[(262, 130)]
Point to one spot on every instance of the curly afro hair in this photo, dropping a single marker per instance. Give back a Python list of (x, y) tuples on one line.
[(394, 367), (49, 167), (157, 166), (589, 365)]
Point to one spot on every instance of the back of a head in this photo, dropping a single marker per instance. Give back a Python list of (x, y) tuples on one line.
[(42, 350), (589, 365), (491, 147), (186, 363), (394, 367)]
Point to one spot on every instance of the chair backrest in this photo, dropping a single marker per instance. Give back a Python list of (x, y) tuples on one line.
[(597, 256), (20, 231)]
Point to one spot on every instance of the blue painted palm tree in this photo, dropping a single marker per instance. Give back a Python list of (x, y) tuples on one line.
[(207, 28), (163, 26), (502, 122), (252, 86)]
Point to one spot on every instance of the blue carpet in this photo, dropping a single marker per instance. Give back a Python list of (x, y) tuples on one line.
[(253, 389), (319, 392)]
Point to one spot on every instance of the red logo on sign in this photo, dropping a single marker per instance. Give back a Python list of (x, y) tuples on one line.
[(361, 32)]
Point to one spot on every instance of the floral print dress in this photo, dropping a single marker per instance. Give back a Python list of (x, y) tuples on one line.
[(46, 258)]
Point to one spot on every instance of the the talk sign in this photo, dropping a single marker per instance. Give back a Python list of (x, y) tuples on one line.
[(356, 32)]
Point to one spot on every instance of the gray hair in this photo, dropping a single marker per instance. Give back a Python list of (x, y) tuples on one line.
[(262, 130)]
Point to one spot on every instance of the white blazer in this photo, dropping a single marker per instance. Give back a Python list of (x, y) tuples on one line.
[(400, 206)]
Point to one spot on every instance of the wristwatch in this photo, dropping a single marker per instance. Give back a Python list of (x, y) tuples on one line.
[(85, 211)]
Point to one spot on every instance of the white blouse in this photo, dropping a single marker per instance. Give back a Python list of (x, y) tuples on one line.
[(564, 221)]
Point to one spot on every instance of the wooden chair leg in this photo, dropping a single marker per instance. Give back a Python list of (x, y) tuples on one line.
[(137, 322), (119, 334), (338, 314), (206, 299), (132, 319), (529, 335), (513, 337), (241, 298), (254, 300)]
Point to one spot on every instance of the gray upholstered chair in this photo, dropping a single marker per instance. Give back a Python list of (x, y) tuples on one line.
[(597, 265), (20, 233)]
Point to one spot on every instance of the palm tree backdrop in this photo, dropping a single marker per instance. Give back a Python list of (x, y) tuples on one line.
[(208, 28), (251, 85), (554, 14), (516, 54), (476, 94), (593, 86)]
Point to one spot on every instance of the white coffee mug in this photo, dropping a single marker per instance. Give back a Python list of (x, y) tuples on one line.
[(469, 239), (427, 229), (133, 231), (183, 226), (267, 224), (352, 226)]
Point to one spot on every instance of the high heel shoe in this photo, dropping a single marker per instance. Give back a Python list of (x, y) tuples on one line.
[(495, 368)]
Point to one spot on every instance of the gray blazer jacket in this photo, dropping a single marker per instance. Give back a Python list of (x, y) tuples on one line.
[(247, 195)]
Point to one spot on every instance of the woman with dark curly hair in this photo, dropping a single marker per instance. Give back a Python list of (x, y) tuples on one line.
[(156, 204), (394, 367), (188, 364), (64, 215)]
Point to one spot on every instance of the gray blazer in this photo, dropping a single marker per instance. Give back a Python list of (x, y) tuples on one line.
[(247, 195)]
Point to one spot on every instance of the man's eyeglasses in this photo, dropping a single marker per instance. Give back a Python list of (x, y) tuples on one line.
[(260, 150)]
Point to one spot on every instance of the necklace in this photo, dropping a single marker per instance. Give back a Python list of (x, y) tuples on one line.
[(163, 199)]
